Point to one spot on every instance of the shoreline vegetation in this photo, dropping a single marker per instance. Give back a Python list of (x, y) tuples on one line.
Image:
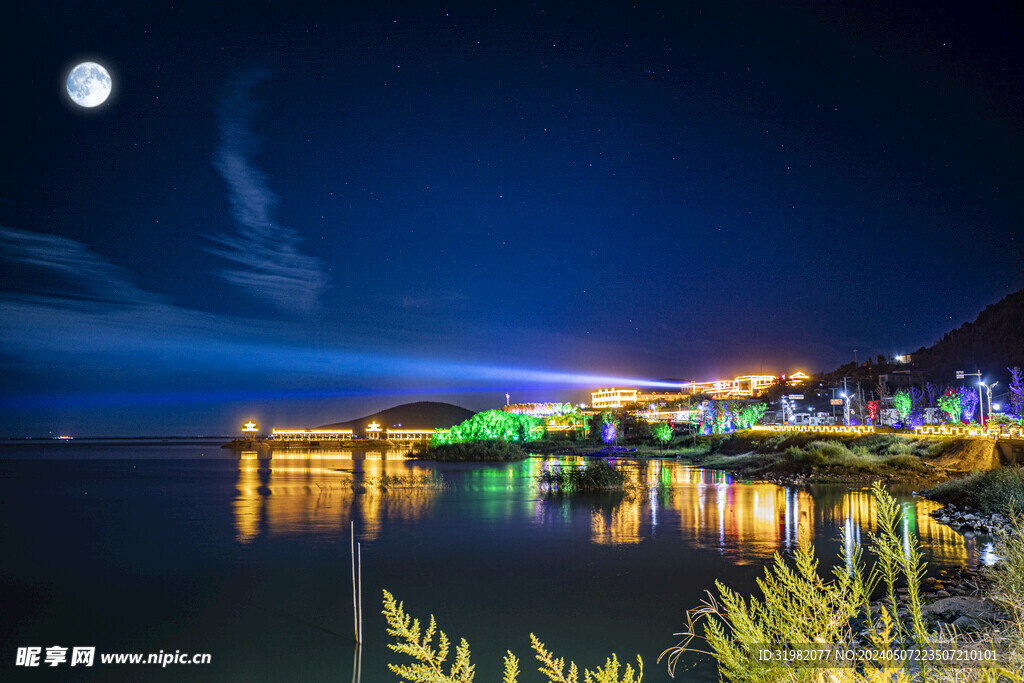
[(490, 450)]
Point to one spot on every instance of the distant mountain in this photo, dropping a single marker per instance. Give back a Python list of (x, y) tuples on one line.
[(993, 342), (419, 415)]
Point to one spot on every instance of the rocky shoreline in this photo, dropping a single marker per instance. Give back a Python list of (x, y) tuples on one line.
[(953, 603), (965, 519), (807, 479)]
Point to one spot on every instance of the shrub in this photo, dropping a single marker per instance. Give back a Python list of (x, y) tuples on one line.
[(430, 662), (801, 608), (998, 490), (596, 475), (473, 451)]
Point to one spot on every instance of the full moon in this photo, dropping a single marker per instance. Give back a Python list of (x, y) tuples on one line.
[(89, 84)]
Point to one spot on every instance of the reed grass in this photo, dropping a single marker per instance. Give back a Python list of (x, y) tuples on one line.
[(799, 608), (595, 476), (433, 480), (430, 661)]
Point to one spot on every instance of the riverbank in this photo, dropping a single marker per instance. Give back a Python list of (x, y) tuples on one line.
[(800, 458)]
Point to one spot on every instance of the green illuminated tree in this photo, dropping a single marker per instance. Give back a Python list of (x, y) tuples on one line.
[(492, 424), (663, 433), (902, 402), (749, 415), (949, 403)]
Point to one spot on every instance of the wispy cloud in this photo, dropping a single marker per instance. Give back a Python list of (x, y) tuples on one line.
[(266, 257), (432, 299), (64, 272)]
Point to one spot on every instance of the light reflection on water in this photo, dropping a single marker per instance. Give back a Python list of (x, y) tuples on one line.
[(316, 492), (319, 493)]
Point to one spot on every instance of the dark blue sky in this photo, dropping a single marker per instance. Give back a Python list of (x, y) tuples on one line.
[(304, 214)]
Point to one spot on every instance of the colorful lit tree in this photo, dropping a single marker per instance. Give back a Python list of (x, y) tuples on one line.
[(696, 421), (609, 432), (902, 402), (949, 403), (873, 411), (721, 417), (717, 412), (1015, 406), (968, 403)]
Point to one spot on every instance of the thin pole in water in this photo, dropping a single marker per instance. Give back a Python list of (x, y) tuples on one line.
[(355, 609), (359, 546)]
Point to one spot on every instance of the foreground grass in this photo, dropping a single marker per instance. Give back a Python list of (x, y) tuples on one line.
[(429, 663), (498, 450), (800, 610), (1008, 592), (998, 490)]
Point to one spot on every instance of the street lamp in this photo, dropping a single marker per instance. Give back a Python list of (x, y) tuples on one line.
[(960, 374), (988, 390)]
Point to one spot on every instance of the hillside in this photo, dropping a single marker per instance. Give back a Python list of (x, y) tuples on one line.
[(994, 341), (419, 415)]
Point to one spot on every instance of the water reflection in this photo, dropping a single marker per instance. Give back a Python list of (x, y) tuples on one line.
[(320, 492), (292, 492), (747, 521)]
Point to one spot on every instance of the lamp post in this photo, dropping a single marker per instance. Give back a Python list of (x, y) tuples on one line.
[(988, 390)]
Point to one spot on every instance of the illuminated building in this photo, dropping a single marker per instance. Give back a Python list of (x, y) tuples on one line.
[(250, 427), (744, 386), (612, 398), (310, 434), (617, 398)]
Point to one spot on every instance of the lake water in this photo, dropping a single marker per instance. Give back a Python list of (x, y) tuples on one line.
[(150, 546)]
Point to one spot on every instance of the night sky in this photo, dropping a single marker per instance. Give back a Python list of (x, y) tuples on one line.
[(304, 214)]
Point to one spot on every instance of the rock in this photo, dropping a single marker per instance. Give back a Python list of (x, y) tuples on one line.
[(957, 606), (966, 624), (941, 594)]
